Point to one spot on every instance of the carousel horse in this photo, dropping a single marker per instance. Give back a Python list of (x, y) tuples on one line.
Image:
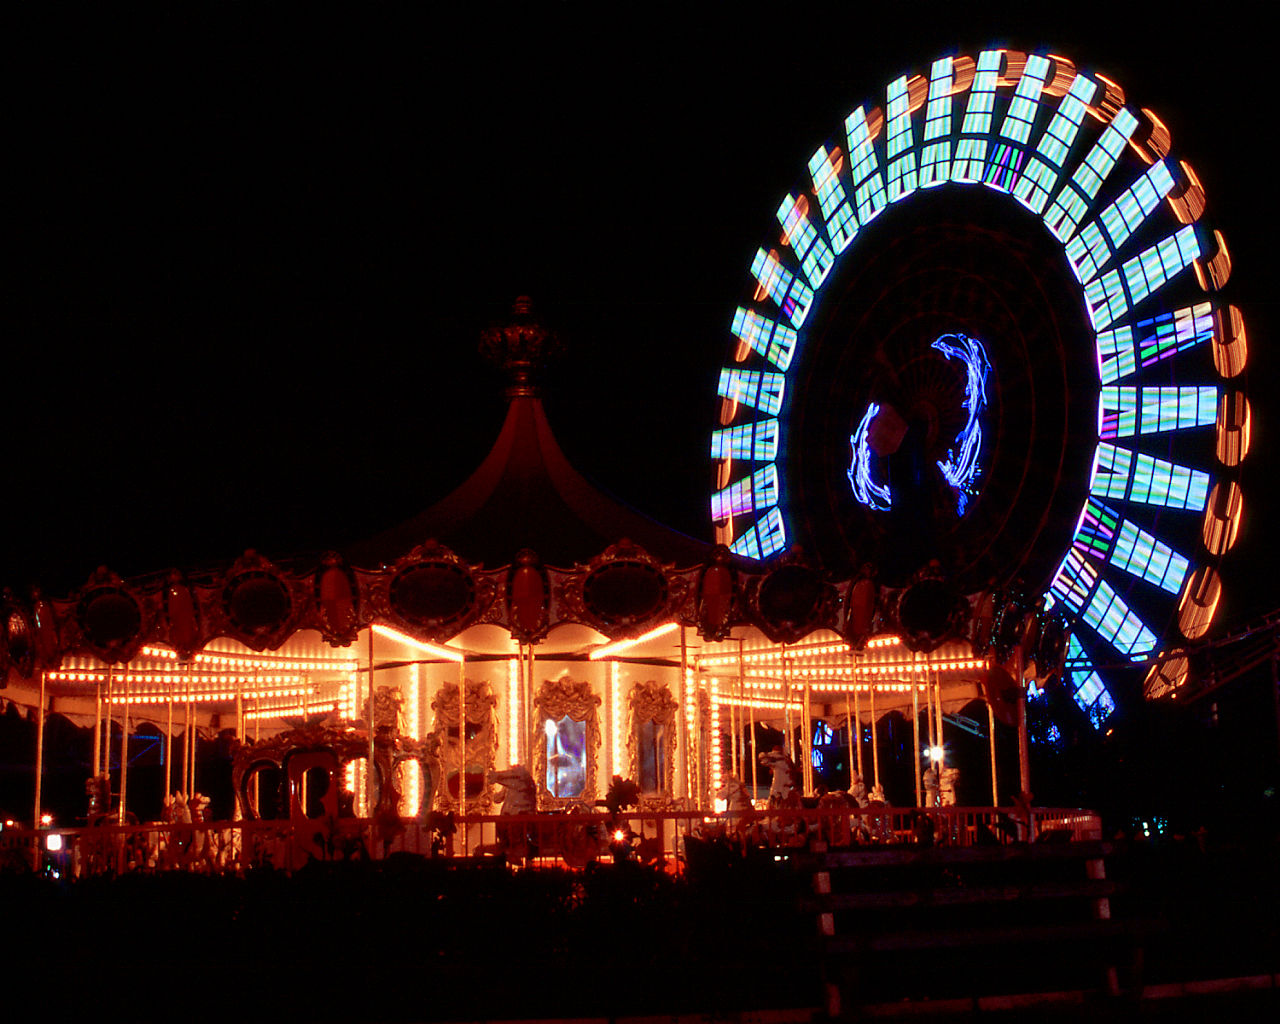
[(947, 791), (782, 790), (737, 802), (519, 796)]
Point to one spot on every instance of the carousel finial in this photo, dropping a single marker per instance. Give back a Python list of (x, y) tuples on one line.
[(521, 347)]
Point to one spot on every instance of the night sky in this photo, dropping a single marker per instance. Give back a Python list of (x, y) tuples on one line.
[(250, 258)]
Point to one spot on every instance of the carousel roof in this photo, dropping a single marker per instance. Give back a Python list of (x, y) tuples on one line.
[(525, 494)]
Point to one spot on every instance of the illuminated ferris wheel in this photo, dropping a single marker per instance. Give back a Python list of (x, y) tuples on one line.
[(987, 333)]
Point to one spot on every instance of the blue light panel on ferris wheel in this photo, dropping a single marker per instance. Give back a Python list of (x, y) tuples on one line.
[(1096, 531), (1136, 476), (1170, 333), (842, 225), (1148, 272), (970, 162), (811, 250), (1113, 620), (1072, 202), (1087, 688), (1116, 356), (1021, 114), (788, 292), (935, 155), (767, 537), (753, 388), (1124, 216), (1162, 408), (1091, 248), (775, 341), (1140, 553), (747, 442), (901, 177), (1157, 482), (868, 186), (755, 492), (1040, 177), (1075, 579), (1106, 300)]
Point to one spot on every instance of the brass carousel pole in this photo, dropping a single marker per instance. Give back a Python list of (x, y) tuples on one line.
[(97, 727), (915, 736), (742, 712), (875, 739), (462, 755), (39, 748), (755, 754), (848, 718), (124, 748), (369, 764), (685, 744), (942, 750), (786, 705), (168, 742), (991, 732), (106, 727), (807, 746), (857, 716), (186, 746)]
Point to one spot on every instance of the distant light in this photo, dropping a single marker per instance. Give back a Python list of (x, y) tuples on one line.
[(53, 842), (549, 727), (46, 820), (937, 753), (620, 835)]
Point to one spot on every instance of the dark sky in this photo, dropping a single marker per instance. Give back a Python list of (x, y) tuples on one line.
[(250, 257)]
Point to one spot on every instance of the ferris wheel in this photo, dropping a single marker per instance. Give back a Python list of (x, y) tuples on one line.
[(987, 332)]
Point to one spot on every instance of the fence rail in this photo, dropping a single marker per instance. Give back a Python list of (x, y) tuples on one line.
[(535, 840)]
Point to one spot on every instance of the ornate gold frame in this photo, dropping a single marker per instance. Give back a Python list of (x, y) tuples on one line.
[(652, 701), (481, 749), (557, 698)]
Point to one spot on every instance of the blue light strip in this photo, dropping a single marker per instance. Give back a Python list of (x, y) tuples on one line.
[(1044, 168), (755, 492), (776, 342), (1158, 337), (902, 178), (789, 293), (1072, 202), (935, 157), (753, 388), (767, 537), (970, 164), (747, 442), (868, 185), (842, 225), (811, 250)]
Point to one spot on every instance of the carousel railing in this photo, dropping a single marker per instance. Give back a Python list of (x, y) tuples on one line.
[(556, 838)]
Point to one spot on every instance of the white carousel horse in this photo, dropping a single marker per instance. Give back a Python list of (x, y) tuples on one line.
[(947, 791), (519, 796), (782, 790)]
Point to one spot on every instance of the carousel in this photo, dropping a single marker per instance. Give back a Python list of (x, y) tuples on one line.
[(928, 499)]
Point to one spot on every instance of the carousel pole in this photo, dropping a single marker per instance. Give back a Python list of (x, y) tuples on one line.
[(106, 726), (1024, 750), (235, 803), (848, 718), (684, 713), (124, 749), (942, 750), (368, 772), (875, 739), (742, 711), (39, 749), (857, 716), (168, 743), (755, 755), (786, 705), (97, 727), (915, 736), (462, 755), (991, 732), (807, 746), (186, 746)]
